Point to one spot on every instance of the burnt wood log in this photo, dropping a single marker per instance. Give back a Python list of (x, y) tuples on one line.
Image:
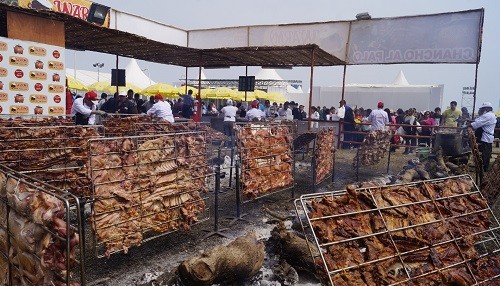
[(236, 262)]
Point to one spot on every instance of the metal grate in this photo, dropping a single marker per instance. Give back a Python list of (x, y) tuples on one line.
[(265, 152), (427, 233), (54, 154), (324, 155), (147, 186), (40, 233)]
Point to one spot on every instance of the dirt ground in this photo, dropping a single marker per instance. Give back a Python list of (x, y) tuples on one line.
[(162, 255)]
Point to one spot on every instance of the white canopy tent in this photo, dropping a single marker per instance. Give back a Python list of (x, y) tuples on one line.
[(398, 94), (133, 74)]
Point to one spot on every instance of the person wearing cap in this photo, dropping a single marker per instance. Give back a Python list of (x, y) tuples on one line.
[(84, 109), (229, 114), (161, 109), (125, 106), (484, 126), (378, 117), (255, 114)]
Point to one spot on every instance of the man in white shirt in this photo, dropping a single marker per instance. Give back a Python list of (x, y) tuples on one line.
[(485, 122), (229, 113), (255, 114), (161, 109), (84, 109), (285, 112), (378, 117)]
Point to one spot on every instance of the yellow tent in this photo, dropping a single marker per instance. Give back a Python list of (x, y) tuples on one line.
[(166, 90), (75, 84), (182, 89), (240, 96), (498, 113), (260, 94), (220, 93), (99, 86), (275, 97), (112, 89)]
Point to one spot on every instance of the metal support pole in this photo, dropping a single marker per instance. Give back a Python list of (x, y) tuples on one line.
[(197, 118), (475, 87), (309, 119), (231, 167), (239, 215), (186, 82), (81, 202), (117, 74), (389, 159), (313, 166), (343, 82), (357, 164), (246, 76), (333, 167), (216, 230)]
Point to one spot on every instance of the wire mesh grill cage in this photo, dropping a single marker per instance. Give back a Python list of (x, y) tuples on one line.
[(436, 232), (265, 153), (39, 233), (324, 155), (56, 155), (9, 120), (147, 186)]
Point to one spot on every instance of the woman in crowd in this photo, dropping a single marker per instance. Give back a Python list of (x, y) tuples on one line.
[(427, 122)]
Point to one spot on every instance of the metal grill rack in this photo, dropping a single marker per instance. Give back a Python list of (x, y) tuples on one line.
[(373, 236), (265, 153), (147, 186), (39, 227), (54, 154), (324, 155)]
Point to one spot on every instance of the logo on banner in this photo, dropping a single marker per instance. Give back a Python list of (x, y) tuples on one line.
[(37, 51), (18, 85), (18, 49), (38, 86), (38, 98), (18, 61), (3, 46), (3, 72), (19, 98), (39, 75), (18, 73), (38, 109), (55, 65), (57, 98), (56, 88), (19, 109), (4, 96), (55, 110)]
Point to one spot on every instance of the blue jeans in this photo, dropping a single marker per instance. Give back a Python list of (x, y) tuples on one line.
[(229, 132)]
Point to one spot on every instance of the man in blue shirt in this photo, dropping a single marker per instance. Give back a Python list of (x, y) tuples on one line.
[(187, 104)]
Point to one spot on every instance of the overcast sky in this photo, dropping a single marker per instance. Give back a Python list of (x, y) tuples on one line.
[(196, 14)]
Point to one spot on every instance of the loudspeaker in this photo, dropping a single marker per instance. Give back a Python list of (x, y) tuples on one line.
[(118, 77), (246, 83), (97, 14)]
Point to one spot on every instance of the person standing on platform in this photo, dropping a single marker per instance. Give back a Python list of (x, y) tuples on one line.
[(187, 104), (484, 126)]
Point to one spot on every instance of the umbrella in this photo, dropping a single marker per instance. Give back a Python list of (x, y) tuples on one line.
[(111, 89), (240, 96), (220, 93), (182, 89), (276, 97), (99, 86), (204, 92), (75, 84), (164, 89), (259, 94)]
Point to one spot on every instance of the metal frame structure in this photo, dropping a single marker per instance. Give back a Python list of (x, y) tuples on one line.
[(245, 159), (70, 214), (323, 134), (53, 154), (134, 194), (486, 242), (233, 83)]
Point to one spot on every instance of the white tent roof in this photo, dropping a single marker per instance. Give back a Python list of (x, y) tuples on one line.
[(291, 89), (268, 74), (400, 79), (133, 74), (136, 76)]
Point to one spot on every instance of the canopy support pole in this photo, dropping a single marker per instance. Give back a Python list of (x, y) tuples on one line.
[(474, 96), (343, 81), (197, 117), (116, 74), (246, 76), (311, 89), (186, 82)]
